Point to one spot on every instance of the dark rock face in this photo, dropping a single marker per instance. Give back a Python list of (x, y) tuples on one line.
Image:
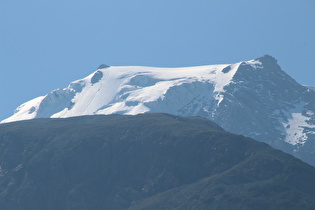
[(103, 66), (226, 69), (96, 77), (261, 100), (150, 161)]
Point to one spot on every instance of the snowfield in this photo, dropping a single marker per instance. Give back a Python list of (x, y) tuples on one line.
[(126, 90)]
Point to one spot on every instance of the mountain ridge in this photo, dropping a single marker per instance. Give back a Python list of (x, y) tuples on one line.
[(146, 161), (254, 98)]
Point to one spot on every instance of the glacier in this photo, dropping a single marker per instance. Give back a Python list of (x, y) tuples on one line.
[(131, 90)]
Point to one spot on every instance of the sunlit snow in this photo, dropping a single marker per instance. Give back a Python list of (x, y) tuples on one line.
[(297, 125), (113, 89)]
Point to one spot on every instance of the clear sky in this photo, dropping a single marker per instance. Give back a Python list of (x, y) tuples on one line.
[(44, 45)]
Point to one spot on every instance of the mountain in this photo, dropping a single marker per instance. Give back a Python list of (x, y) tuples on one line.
[(148, 161), (253, 98)]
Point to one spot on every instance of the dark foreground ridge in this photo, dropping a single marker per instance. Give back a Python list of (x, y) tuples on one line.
[(149, 161)]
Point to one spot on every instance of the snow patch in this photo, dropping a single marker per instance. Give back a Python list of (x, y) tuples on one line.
[(255, 64), (297, 126), (26, 111)]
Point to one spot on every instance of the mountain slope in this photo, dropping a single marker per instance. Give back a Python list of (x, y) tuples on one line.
[(254, 98), (127, 90), (150, 161)]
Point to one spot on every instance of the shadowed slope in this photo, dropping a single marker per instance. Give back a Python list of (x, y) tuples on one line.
[(149, 161)]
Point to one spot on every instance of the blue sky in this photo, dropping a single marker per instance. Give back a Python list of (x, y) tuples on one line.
[(44, 45)]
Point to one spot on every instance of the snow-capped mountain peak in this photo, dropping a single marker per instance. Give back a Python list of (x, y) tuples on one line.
[(254, 98)]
